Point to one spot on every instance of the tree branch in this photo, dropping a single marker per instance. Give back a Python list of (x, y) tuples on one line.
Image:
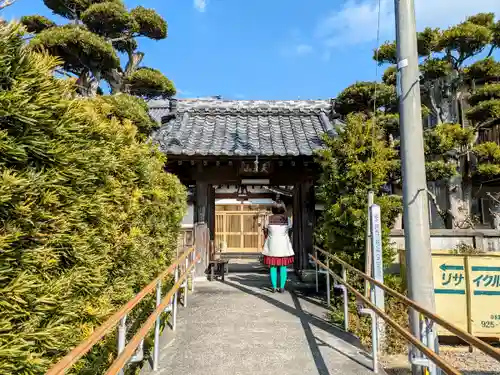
[(491, 51), (489, 195), (443, 213), (125, 37), (486, 123), (6, 3), (434, 105)]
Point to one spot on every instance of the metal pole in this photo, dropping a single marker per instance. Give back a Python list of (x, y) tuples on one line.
[(346, 300), (415, 202), (122, 337), (185, 302), (328, 281), (193, 271), (368, 244), (375, 343), (156, 347), (175, 302), (316, 263)]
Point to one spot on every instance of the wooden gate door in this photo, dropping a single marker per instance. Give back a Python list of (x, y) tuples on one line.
[(238, 228)]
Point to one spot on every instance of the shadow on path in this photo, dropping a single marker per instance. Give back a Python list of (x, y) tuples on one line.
[(307, 319)]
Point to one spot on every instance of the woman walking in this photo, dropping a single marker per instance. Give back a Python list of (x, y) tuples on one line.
[(278, 251)]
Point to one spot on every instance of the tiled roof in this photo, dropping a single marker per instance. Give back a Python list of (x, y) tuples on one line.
[(214, 127)]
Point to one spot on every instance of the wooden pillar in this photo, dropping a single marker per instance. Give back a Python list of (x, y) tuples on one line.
[(298, 225), (204, 215), (303, 223), (308, 220), (201, 203), (211, 211)]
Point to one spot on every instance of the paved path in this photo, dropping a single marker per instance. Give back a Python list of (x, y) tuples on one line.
[(240, 328)]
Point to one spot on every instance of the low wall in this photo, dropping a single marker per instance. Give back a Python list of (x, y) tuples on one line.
[(487, 240)]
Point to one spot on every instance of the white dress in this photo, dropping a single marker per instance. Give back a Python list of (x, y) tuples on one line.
[(278, 242)]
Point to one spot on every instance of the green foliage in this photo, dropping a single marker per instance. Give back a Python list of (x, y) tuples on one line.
[(482, 19), (360, 97), (485, 111), (88, 46), (150, 23), (486, 92), (488, 156), (109, 19), (434, 68), (150, 83), (79, 49), (36, 24), (485, 69), (386, 53), (346, 163), (72, 9), (466, 39), (360, 325), (390, 76), (442, 144), (427, 41), (124, 106), (88, 215)]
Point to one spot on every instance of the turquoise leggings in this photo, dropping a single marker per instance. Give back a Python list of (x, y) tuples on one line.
[(274, 276)]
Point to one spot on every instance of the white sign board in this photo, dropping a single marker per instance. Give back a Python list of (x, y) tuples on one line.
[(378, 264)]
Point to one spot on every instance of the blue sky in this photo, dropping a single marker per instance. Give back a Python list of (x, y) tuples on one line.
[(274, 49)]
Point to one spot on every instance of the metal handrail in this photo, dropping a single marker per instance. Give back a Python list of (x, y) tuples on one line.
[(440, 362), (78, 352), (467, 337)]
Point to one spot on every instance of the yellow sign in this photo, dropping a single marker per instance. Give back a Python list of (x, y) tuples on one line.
[(484, 284), (467, 291), (450, 290)]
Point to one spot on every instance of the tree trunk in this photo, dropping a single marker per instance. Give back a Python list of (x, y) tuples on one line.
[(459, 198), (115, 80)]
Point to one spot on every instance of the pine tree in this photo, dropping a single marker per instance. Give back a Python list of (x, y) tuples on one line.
[(445, 56), (90, 44)]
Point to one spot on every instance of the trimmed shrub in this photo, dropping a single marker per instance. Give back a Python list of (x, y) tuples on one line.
[(88, 215)]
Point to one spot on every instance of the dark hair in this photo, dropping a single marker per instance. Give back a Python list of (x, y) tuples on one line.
[(278, 209)]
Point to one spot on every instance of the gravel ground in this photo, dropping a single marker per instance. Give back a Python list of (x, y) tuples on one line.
[(475, 363)]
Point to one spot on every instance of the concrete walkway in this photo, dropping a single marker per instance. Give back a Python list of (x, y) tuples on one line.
[(240, 328)]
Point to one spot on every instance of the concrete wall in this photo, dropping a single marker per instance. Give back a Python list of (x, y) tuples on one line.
[(448, 239)]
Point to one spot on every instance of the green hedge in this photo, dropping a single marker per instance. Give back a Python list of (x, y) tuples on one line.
[(88, 215)]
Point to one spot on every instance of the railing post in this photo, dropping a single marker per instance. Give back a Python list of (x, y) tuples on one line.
[(346, 300), (328, 281), (429, 340), (175, 299), (184, 303), (375, 332), (373, 317), (122, 337), (156, 348), (193, 271), (316, 265)]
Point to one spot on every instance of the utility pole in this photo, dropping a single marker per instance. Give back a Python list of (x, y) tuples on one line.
[(415, 200)]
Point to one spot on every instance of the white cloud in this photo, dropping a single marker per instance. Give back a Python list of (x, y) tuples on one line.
[(356, 21), (200, 5), (303, 49)]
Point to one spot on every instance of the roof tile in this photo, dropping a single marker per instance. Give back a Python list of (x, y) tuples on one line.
[(245, 128)]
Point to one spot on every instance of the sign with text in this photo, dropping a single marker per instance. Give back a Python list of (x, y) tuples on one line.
[(378, 264), (485, 295), (450, 290), (468, 283)]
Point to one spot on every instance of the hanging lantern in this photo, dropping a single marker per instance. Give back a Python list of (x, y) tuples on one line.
[(242, 193)]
